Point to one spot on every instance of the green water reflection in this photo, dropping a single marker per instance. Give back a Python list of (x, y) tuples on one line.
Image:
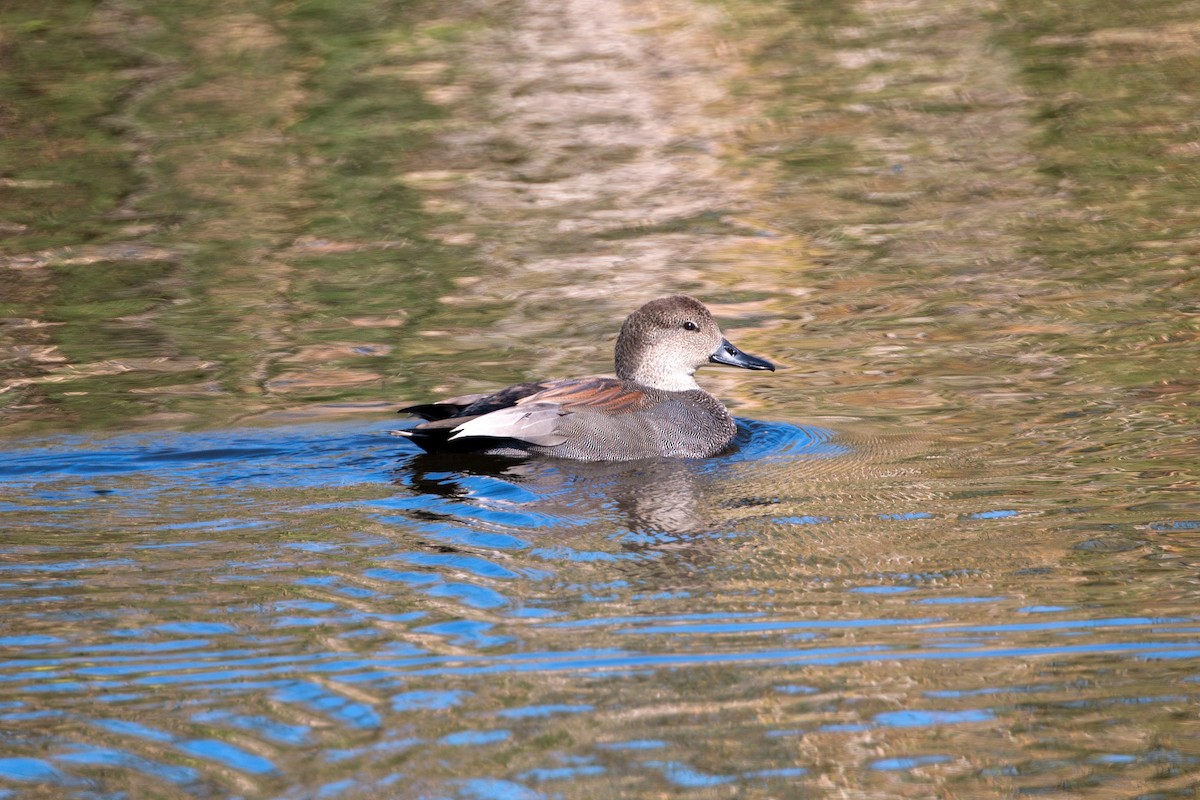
[(206, 213)]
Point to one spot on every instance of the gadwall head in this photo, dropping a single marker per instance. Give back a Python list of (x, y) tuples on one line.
[(663, 343)]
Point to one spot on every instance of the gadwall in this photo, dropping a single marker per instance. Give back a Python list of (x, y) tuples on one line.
[(654, 407)]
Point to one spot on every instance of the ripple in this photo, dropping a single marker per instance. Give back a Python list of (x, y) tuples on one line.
[(895, 764), (27, 770), (381, 610), (759, 441), (228, 755)]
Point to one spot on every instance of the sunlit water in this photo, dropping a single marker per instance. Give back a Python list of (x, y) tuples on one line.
[(954, 552), (323, 611)]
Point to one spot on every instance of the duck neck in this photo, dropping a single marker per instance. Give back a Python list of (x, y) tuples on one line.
[(659, 374)]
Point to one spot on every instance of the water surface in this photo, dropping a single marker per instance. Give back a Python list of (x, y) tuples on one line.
[(953, 551)]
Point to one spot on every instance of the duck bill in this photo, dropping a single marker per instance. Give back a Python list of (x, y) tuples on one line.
[(728, 354)]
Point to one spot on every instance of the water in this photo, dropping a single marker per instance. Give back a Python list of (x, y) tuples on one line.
[(953, 551), (325, 610)]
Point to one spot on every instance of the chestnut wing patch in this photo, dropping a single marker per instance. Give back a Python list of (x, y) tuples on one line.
[(599, 395)]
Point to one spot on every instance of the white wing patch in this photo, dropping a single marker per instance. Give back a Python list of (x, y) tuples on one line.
[(535, 423)]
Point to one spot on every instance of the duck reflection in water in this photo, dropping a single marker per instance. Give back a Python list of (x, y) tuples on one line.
[(653, 408), (766, 463), (646, 497)]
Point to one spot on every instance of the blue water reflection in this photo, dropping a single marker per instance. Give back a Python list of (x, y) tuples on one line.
[(325, 607)]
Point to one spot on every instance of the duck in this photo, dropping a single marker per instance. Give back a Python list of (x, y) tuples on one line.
[(652, 408)]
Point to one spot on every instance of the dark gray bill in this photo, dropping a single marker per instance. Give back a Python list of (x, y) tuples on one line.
[(728, 354)]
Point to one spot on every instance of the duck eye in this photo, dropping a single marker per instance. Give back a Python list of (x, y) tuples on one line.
[(690, 326)]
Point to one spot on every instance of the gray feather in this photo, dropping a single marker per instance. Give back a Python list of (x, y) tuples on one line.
[(535, 423)]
